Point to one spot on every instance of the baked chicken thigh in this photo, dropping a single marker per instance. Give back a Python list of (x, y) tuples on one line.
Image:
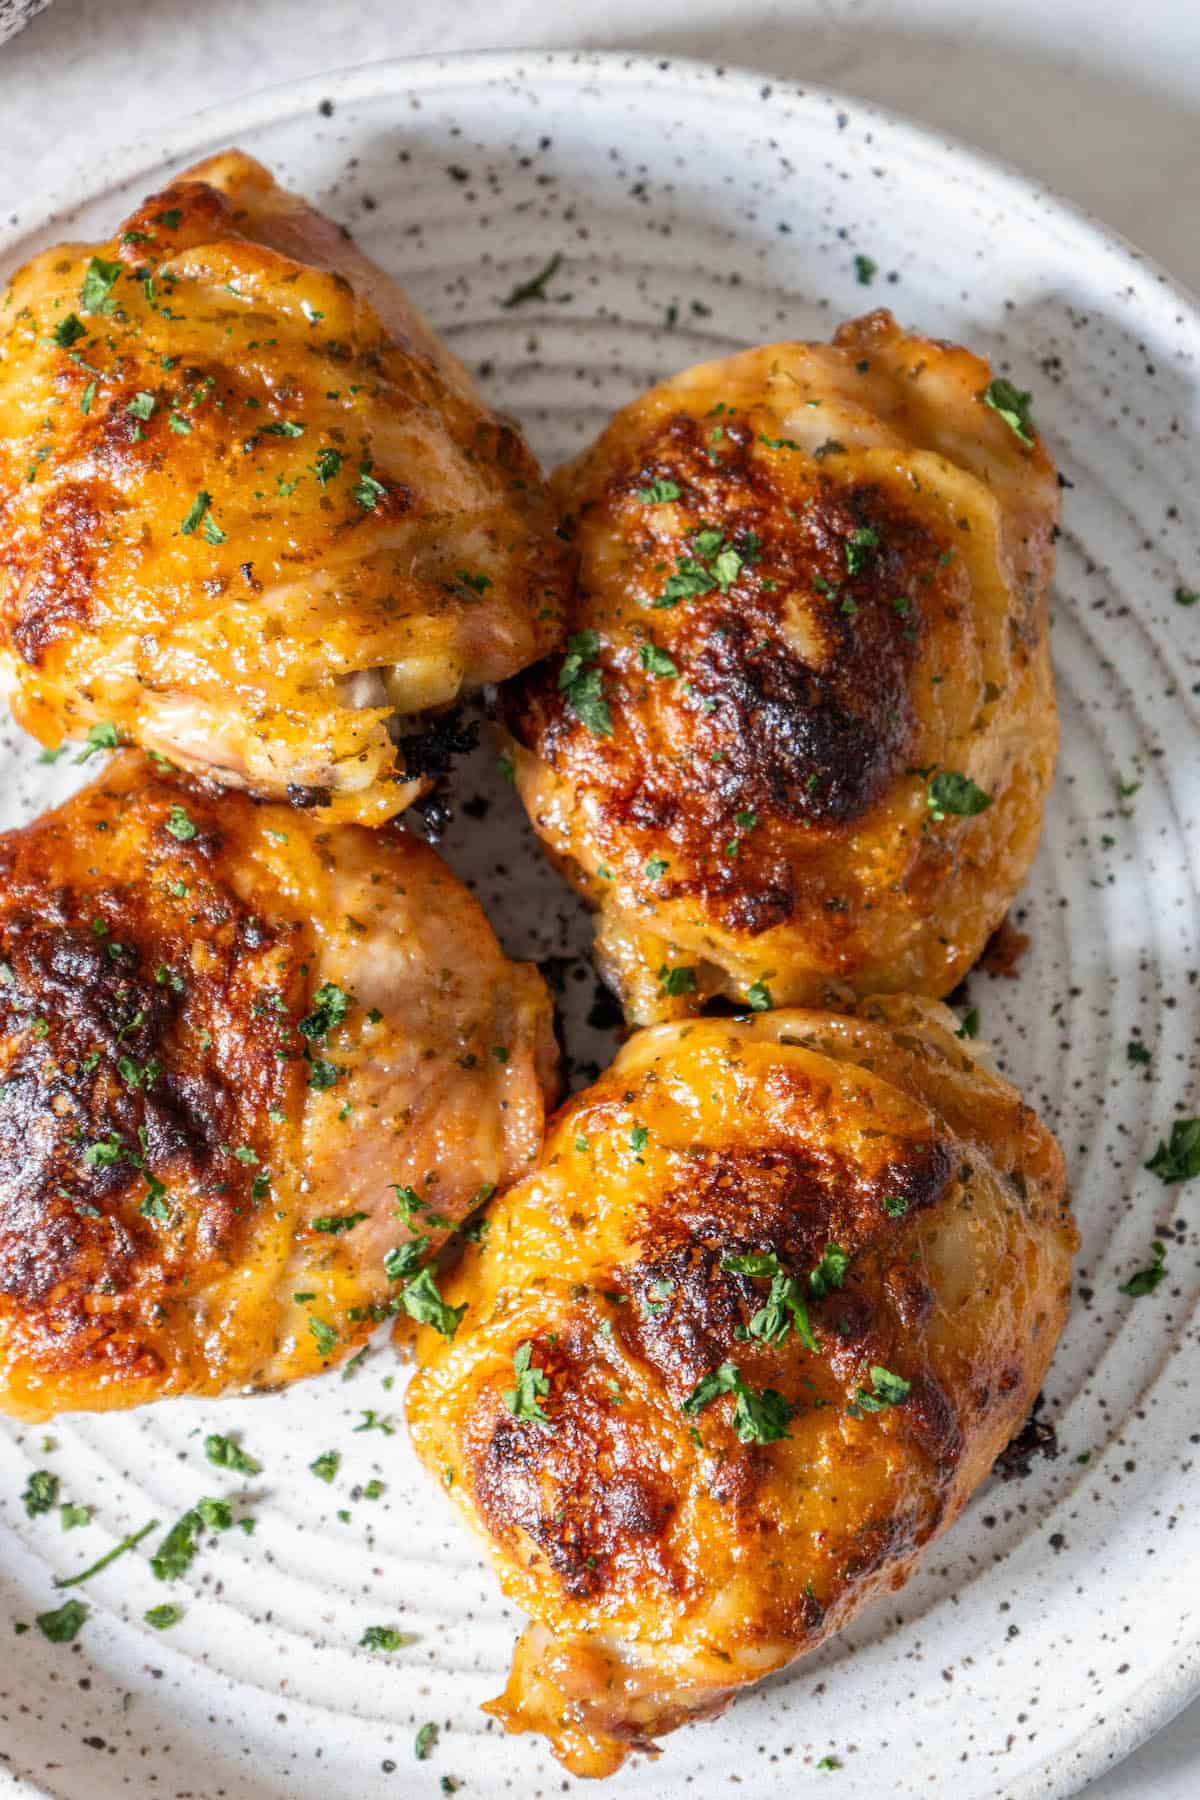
[(780, 1291), (804, 730), (252, 512), (252, 1070)]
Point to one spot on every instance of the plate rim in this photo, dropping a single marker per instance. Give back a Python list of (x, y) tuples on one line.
[(1069, 1769)]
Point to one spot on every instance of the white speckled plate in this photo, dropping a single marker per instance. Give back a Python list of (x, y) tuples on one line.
[(695, 211)]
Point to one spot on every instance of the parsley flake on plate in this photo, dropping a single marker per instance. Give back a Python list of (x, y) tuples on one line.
[(226, 1453), (1179, 1158), (41, 1493), (1144, 1281), (63, 1625), (535, 288), (387, 1637)]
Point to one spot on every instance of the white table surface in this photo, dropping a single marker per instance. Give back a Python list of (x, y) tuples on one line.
[(1100, 101)]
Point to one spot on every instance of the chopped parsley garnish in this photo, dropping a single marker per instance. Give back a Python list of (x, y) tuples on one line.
[(424, 1741), (532, 1386), (195, 512), (386, 1637), (895, 1205), (142, 406), (335, 1223), (63, 1625), (179, 824), (226, 1454), (659, 491), (1179, 1158), (373, 1421), (403, 1259), (480, 583), (1012, 405), (161, 1618), (366, 490), (681, 979), (95, 296), (322, 1075), (970, 1024), (865, 270), (103, 1155), (857, 545), (886, 1390), (326, 1466), (324, 1336), (1137, 1052), (757, 1418), (952, 792), (41, 1493), (1146, 1280), (780, 443), (784, 1307), (327, 464), (534, 289), (86, 398), (174, 1555), (711, 563), (68, 331), (71, 1515), (581, 684), (422, 1302), (287, 428), (830, 1272), (758, 994), (639, 1137), (110, 1556), (1185, 596), (656, 661), (100, 737), (656, 867)]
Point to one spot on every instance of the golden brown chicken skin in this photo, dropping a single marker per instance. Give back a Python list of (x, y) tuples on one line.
[(252, 1069), (805, 727), (780, 1291), (252, 512)]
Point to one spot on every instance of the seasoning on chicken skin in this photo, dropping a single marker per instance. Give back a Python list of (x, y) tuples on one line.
[(778, 1294), (252, 1070), (252, 511), (805, 727)]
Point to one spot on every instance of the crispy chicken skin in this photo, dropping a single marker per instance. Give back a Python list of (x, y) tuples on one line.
[(252, 512), (813, 598), (901, 1241), (243, 1057)]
